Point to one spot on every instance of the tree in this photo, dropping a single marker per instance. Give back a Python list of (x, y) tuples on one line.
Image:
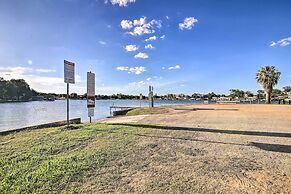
[(235, 93), (211, 95), (15, 89), (249, 94), (287, 89), (277, 93), (21, 89), (3, 88), (268, 77), (74, 96), (260, 94)]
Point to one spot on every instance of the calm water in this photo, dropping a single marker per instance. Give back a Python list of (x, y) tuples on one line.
[(18, 115)]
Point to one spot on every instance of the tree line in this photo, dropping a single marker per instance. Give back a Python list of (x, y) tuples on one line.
[(267, 77), (16, 90)]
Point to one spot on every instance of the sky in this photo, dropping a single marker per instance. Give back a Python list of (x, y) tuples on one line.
[(183, 46)]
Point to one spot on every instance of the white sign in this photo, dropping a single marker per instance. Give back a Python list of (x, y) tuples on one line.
[(90, 112), (90, 84), (90, 90), (69, 71)]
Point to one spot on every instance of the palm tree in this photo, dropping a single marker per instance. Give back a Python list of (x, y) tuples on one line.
[(268, 77)]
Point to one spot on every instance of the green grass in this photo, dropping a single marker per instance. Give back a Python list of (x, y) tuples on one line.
[(127, 158), (148, 110), (56, 160)]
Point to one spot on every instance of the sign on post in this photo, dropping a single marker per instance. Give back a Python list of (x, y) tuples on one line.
[(90, 113), (90, 94), (69, 78), (69, 71)]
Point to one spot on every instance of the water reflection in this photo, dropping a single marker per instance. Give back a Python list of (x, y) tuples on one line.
[(18, 115)]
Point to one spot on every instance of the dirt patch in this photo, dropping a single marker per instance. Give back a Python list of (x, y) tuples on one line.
[(123, 119), (174, 165), (211, 149)]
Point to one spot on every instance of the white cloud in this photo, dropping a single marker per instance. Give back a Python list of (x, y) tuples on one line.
[(163, 68), (283, 42), (139, 30), (131, 47), (167, 17), (175, 67), (149, 46), (188, 23), (33, 78), (140, 26), (272, 44), (137, 84), (135, 70), (121, 3), (140, 21), (126, 24), (154, 78), (122, 68), (149, 80), (156, 23), (152, 38), (78, 78), (45, 70), (16, 71), (163, 37), (29, 62), (102, 42), (141, 56)]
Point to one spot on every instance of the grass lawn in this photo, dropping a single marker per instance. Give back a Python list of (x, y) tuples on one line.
[(148, 110), (56, 160), (138, 158)]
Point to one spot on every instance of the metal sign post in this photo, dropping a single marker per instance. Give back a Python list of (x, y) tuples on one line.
[(90, 94), (68, 106), (140, 99), (151, 96), (69, 78)]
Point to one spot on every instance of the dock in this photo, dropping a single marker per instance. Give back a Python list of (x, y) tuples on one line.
[(120, 110), (228, 102)]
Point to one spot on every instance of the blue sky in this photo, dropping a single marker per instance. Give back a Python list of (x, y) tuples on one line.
[(200, 46)]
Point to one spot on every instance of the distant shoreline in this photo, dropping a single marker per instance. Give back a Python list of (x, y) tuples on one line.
[(276, 101)]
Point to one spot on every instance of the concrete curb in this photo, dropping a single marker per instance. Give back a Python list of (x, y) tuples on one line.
[(47, 125)]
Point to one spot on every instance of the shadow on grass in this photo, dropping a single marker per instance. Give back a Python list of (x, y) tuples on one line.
[(236, 132), (190, 139), (264, 146), (273, 147), (216, 109)]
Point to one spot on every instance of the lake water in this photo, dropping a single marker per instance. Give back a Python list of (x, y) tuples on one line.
[(24, 114)]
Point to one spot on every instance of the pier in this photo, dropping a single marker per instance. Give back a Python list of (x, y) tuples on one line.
[(120, 110)]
